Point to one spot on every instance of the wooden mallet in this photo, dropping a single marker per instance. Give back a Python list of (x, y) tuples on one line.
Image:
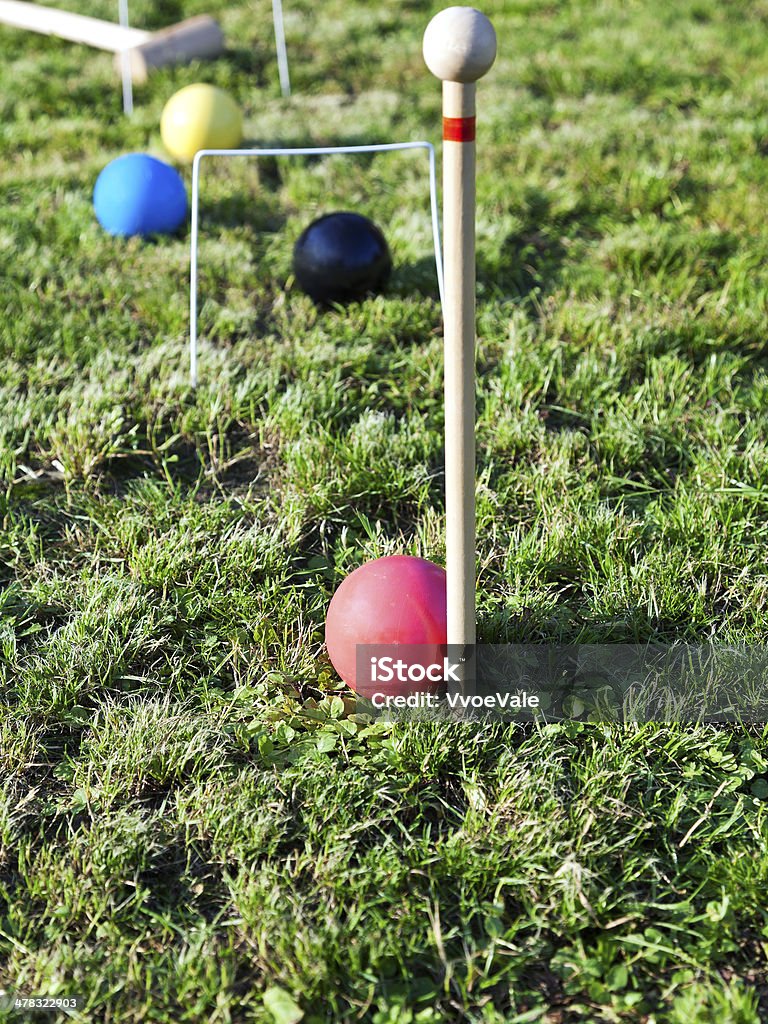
[(459, 47), (188, 40)]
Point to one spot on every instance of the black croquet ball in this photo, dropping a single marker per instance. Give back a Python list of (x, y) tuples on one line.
[(341, 257)]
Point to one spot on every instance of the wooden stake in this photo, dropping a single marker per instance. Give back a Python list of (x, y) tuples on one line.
[(459, 47)]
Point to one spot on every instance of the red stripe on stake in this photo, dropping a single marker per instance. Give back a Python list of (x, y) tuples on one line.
[(459, 129)]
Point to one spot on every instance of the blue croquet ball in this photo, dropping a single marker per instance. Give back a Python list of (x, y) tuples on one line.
[(139, 195), (341, 257)]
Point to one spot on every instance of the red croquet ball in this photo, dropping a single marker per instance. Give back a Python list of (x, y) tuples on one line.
[(398, 599)]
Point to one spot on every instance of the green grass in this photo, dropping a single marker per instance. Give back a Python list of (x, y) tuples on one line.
[(192, 828)]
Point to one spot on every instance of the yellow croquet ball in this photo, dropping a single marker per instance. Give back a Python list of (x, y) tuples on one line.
[(200, 117)]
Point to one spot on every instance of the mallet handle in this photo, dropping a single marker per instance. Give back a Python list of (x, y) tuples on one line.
[(78, 28), (194, 38), (459, 335)]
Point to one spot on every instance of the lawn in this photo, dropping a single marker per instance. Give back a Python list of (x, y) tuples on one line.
[(192, 828)]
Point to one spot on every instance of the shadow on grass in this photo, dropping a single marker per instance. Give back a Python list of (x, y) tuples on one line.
[(163, 14), (193, 468), (532, 258), (562, 620), (414, 278), (240, 211)]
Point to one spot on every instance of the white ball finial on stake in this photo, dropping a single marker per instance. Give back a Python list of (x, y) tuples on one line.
[(459, 47)]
